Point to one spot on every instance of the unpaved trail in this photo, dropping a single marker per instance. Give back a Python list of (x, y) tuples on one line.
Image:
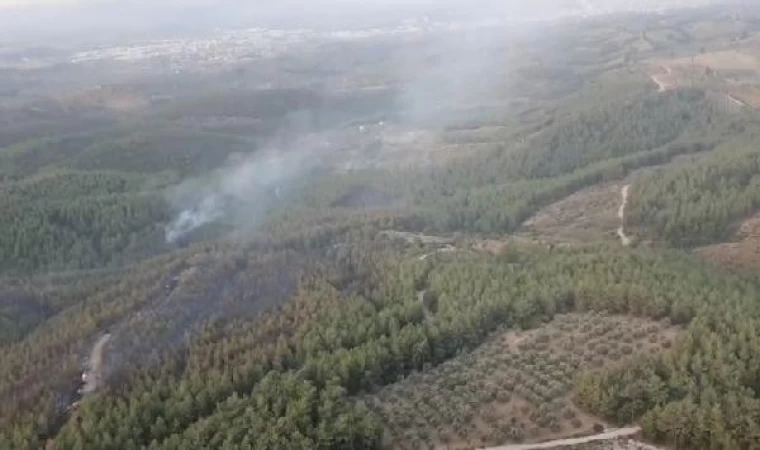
[(425, 309), (736, 101), (447, 248), (661, 85), (92, 376), (610, 435), (625, 239)]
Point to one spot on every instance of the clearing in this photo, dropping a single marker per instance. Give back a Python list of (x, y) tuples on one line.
[(734, 74), (664, 80), (742, 256), (585, 216)]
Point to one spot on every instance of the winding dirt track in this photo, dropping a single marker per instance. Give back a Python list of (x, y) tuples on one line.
[(94, 370), (736, 101), (610, 435), (625, 239), (661, 85)]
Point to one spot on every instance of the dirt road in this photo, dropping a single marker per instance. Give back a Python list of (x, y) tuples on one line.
[(661, 85), (92, 376), (736, 101), (445, 249), (610, 435), (625, 239)]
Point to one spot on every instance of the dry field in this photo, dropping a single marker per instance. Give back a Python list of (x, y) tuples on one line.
[(390, 146), (732, 73), (588, 215), (108, 98), (742, 256), (515, 388)]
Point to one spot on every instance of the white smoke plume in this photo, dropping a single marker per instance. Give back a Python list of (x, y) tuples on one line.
[(241, 191), (209, 210)]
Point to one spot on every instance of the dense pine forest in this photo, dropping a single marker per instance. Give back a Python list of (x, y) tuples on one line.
[(702, 201), (213, 260)]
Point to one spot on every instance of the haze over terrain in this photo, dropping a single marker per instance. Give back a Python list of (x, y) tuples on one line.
[(96, 20), (379, 225)]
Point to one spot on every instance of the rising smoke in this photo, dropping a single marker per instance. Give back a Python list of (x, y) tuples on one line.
[(244, 190), (209, 210), (435, 88)]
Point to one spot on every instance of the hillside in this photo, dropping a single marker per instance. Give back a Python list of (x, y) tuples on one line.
[(442, 237)]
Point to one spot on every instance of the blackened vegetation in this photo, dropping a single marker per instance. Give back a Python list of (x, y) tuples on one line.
[(324, 344), (364, 197)]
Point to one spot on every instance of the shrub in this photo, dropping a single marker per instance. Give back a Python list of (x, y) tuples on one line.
[(507, 384), (503, 396)]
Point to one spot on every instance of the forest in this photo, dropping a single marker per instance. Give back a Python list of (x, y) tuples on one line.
[(314, 353), (376, 287), (700, 202)]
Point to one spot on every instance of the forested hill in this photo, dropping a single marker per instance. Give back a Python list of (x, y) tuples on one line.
[(702, 201), (424, 235)]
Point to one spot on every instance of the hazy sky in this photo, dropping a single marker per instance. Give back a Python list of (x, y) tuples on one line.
[(18, 3), (46, 21), (262, 4), (39, 3), (249, 4)]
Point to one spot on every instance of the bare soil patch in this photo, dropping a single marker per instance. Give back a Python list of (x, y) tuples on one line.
[(387, 145), (110, 98), (664, 80), (732, 74), (587, 215), (747, 94), (515, 388), (742, 256)]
